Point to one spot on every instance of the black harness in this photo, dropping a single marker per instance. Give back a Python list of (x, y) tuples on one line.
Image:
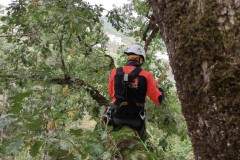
[(124, 111), (127, 79), (125, 107)]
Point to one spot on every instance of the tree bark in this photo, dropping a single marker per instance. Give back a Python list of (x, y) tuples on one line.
[(203, 43)]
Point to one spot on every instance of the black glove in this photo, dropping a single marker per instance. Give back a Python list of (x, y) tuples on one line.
[(161, 97)]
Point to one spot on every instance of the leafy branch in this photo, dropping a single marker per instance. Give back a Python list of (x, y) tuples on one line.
[(94, 93), (19, 35), (101, 100)]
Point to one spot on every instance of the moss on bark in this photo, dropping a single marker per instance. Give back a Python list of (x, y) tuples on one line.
[(204, 53)]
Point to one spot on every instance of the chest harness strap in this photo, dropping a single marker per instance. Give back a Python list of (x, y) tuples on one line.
[(127, 79)]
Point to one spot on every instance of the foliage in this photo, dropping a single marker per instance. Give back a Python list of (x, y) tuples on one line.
[(52, 39), (136, 20), (41, 117)]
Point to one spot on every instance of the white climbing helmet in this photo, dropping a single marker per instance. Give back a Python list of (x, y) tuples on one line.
[(136, 49)]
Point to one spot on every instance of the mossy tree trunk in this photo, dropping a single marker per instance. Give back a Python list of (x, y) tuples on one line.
[(203, 42)]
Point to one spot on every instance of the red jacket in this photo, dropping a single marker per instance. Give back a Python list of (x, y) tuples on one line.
[(145, 78)]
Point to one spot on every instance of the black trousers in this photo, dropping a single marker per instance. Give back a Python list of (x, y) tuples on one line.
[(136, 123)]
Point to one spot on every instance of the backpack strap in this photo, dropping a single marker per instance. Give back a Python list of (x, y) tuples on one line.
[(134, 74), (127, 78), (120, 71)]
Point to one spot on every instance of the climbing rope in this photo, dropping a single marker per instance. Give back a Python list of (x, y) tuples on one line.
[(164, 73)]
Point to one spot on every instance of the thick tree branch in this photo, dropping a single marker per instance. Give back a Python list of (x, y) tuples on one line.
[(153, 28), (111, 65), (101, 100), (94, 93), (202, 45), (150, 38)]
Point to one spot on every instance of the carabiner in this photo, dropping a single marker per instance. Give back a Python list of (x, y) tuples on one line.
[(143, 116)]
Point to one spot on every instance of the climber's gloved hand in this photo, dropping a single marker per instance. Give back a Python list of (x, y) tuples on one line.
[(161, 97)]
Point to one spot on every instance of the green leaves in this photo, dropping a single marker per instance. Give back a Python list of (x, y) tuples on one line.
[(116, 19), (164, 144), (14, 147), (3, 18), (34, 124), (76, 132), (20, 96), (17, 101), (35, 148)]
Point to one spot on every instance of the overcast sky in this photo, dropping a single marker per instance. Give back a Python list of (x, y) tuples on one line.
[(5, 2), (107, 4)]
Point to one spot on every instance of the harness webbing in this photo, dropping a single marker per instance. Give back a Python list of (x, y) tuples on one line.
[(127, 78)]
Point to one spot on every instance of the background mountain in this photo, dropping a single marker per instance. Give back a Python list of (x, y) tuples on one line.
[(116, 38)]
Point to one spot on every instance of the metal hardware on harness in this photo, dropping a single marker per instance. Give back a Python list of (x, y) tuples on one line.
[(122, 104), (142, 115), (107, 116), (125, 78), (108, 113)]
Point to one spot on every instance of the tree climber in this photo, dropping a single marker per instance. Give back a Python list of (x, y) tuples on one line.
[(128, 87)]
